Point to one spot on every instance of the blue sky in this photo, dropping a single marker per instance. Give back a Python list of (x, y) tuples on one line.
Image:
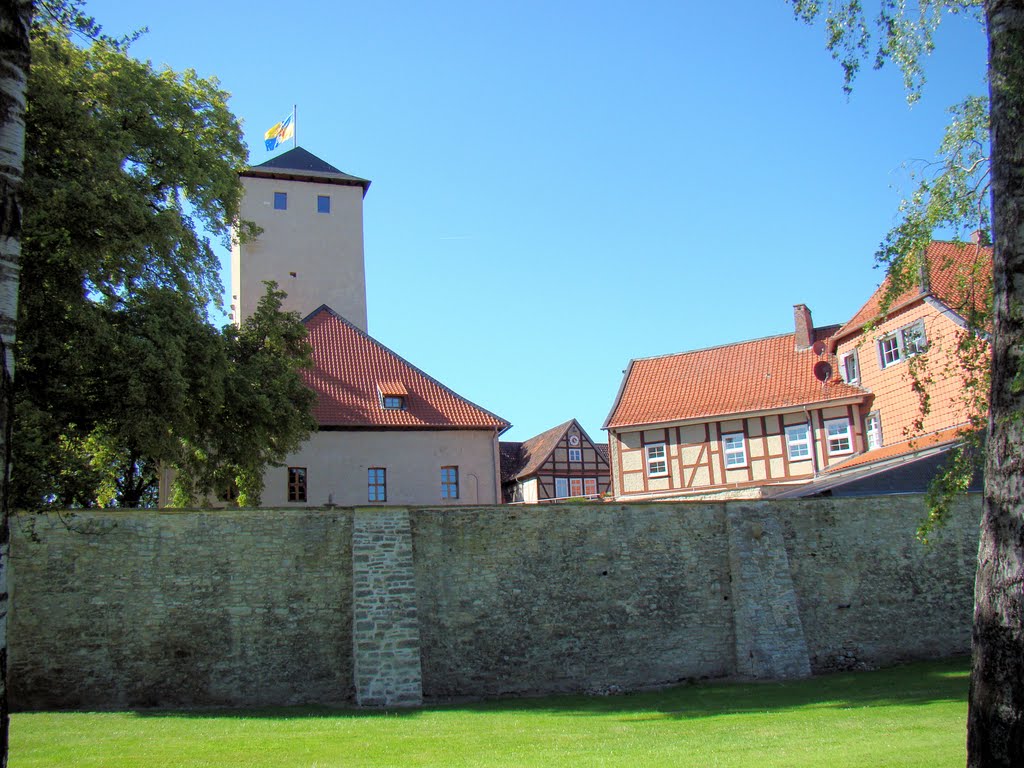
[(559, 187)]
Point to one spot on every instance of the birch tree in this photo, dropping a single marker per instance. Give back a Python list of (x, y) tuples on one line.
[(903, 34), (15, 19)]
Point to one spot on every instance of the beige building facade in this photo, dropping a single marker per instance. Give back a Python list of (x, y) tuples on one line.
[(311, 238)]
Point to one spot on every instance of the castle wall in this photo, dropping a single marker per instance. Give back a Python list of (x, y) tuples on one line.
[(127, 609)]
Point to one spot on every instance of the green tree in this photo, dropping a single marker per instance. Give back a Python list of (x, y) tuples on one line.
[(129, 171), (981, 171)]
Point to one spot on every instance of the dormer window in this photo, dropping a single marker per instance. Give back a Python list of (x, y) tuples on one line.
[(393, 395)]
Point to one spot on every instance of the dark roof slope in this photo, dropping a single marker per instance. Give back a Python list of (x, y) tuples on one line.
[(757, 375), (300, 165), (351, 370)]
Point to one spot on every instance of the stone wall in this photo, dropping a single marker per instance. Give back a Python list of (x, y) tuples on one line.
[(253, 607)]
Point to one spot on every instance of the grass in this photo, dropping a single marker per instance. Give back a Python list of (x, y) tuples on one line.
[(912, 715)]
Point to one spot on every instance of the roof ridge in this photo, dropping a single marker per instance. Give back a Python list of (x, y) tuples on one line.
[(359, 331), (833, 326)]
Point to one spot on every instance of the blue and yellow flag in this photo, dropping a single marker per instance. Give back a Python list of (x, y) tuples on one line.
[(279, 133)]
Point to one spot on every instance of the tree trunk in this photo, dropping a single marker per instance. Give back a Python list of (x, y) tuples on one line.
[(15, 18), (995, 721)]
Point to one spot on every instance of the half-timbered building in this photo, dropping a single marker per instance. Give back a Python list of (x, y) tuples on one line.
[(733, 418), (561, 463)]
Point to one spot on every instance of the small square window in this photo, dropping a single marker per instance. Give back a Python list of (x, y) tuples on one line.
[(798, 442), (914, 342), (296, 483), (735, 450), (449, 482), (889, 350), (323, 204), (280, 201), (377, 484), (394, 402), (839, 438), (575, 454), (657, 464)]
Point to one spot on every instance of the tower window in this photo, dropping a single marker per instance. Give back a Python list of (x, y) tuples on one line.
[(323, 204), (280, 201)]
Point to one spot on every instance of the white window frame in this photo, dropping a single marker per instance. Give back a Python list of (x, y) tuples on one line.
[(916, 328), (846, 434), (561, 487), (576, 454), (796, 442), (910, 340), (734, 451), (590, 486), (873, 430), (657, 459), (851, 355)]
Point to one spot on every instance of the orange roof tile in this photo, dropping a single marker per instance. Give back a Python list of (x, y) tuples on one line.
[(349, 369), (758, 375), (913, 445), (958, 275)]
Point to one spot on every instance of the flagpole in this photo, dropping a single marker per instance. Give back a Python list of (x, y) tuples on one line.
[(295, 125)]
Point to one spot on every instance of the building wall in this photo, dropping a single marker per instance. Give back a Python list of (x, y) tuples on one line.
[(336, 466), (894, 397), (119, 609), (696, 459), (324, 251)]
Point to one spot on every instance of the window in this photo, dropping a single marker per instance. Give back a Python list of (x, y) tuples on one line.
[(735, 450), (377, 484), (873, 427), (849, 367), (449, 482), (839, 438), (323, 204), (798, 442), (889, 350), (394, 402), (576, 486), (906, 342), (590, 486), (280, 201), (561, 487), (657, 464), (296, 483), (575, 454), (914, 342)]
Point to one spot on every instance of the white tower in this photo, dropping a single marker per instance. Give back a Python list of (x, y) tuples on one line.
[(311, 215)]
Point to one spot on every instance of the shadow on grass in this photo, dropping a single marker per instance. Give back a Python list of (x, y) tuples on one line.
[(908, 685)]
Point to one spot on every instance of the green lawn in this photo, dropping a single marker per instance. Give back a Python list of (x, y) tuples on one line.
[(905, 716)]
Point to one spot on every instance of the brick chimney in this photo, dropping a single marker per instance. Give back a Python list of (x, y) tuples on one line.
[(804, 326)]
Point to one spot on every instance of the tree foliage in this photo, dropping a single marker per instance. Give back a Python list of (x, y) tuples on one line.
[(979, 180), (129, 172)]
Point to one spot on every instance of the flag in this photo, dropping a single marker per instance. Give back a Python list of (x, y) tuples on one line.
[(279, 133)]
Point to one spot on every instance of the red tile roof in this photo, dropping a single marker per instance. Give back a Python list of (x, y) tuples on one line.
[(907, 447), (758, 375), (959, 274), (351, 369)]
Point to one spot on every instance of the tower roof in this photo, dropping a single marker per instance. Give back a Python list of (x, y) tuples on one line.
[(300, 165)]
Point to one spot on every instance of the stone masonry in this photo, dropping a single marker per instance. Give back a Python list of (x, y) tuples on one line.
[(770, 639), (387, 607), (385, 627)]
